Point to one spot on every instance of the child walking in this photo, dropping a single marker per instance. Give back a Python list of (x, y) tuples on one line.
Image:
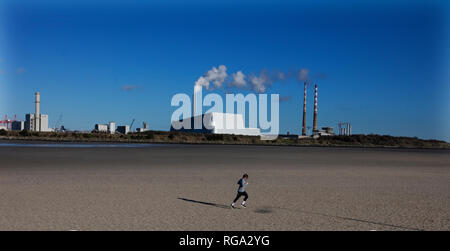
[(241, 190)]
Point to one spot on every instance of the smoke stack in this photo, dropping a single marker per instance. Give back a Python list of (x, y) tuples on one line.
[(315, 109), (37, 113), (195, 99), (304, 112), (197, 107)]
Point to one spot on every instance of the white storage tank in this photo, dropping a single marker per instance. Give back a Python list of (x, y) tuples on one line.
[(112, 127)]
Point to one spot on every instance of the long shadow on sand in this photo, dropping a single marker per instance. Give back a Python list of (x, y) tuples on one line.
[(268, 210), (206, 203), (352, 219)]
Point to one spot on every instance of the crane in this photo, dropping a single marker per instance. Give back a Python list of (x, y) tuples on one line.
[(8, 122), (58, 122), (131, 125)]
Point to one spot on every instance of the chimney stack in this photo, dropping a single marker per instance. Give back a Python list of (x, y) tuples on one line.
[(195, 99), (197, 122), (315, 109), (304, 112), (37, 113)]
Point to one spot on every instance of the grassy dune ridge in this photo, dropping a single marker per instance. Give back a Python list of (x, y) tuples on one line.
[(358, 140)]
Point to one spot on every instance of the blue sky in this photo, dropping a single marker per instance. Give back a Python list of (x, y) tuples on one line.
[(382, 67)]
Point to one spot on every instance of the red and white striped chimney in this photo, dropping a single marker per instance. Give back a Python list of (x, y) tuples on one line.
[(304, 112), (315, 109)]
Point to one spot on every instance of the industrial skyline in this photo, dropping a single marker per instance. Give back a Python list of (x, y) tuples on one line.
[(376, 67)]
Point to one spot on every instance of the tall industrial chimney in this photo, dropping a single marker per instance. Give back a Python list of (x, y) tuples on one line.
[(197, 91), (304, 112), (315, 109), (197, 108), (197, 98), (37, 114)]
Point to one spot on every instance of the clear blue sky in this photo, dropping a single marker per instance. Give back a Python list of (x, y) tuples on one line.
[(383, 67)]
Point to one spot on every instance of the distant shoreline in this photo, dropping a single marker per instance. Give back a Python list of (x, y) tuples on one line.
[(161, 137), (106, 143)]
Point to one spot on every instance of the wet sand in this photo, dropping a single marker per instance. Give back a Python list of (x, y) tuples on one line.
[(190, 187)]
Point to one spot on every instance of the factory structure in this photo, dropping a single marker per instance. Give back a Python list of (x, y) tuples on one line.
[(211, 122), (325, 131), (215, 122), (35, 122), (228, 123), (6, 123), (110, 127), (219, 123), (123, 129), (345, 128)]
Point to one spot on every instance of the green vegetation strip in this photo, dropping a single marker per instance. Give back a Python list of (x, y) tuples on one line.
[(358, 140)]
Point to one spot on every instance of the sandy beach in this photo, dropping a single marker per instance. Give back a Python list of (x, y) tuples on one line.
[(190, 187)]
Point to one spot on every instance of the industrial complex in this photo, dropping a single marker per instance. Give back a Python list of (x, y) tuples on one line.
[(326, 131), (218, 123), (36, 121), (228, 123), (214, 122), (123, 129), (211, 123)]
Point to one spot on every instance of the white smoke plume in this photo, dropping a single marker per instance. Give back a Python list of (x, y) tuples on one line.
[(303, 75), (257, 83), (202, 81), (238, 80), (216, 75), (260, 83)]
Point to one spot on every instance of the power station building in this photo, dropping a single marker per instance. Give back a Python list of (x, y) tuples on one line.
[(36, 121), (37, 125), (111, 127), (101, 127), (217, 123), (213, 122)]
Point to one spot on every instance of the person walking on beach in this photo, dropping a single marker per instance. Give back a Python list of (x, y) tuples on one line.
[(241, 190)]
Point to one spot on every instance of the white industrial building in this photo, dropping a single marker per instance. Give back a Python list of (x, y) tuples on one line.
[(218, 123), (213, 122), (33, 121), (38, 125), (111, 127), (101, 127)]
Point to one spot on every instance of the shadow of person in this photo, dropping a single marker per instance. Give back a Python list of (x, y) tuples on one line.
[(350, 219), (206, 203)]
